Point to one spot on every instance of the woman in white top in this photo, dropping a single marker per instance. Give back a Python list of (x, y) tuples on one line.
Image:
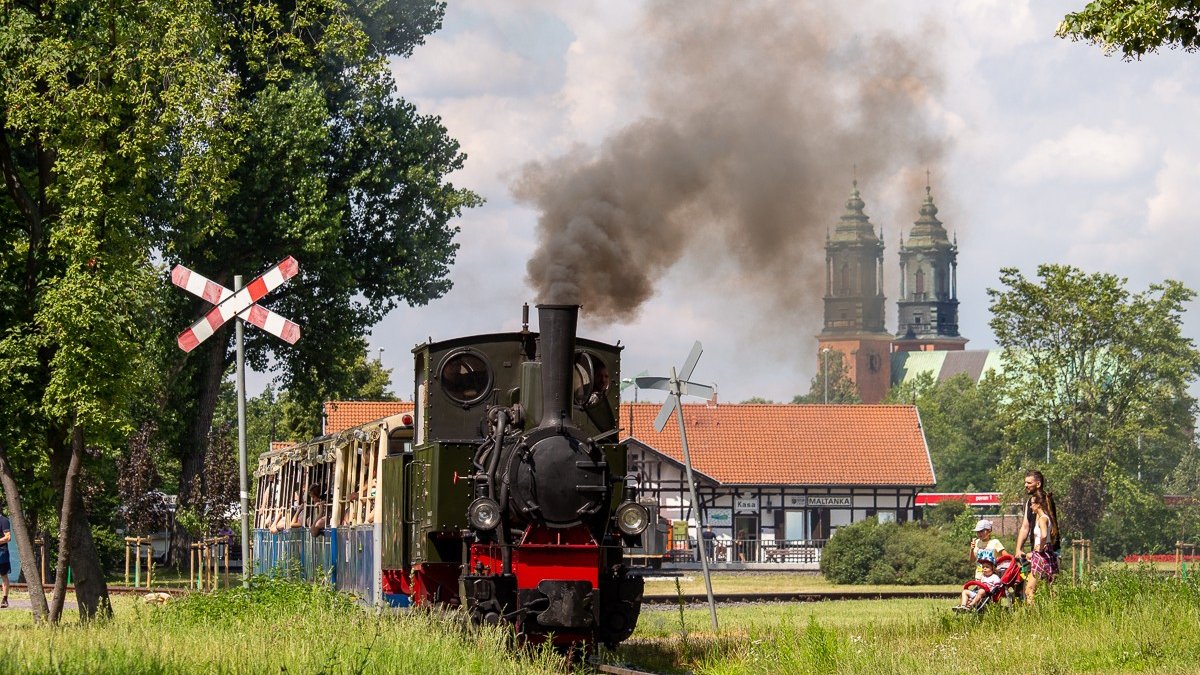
[(1041, 563)]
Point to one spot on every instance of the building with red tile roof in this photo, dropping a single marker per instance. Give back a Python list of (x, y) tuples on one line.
[(776, 472), (342, 415)]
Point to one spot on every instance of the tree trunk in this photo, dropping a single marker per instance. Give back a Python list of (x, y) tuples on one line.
[(64, 525), (91, 589), (20, 532), (191, 466)]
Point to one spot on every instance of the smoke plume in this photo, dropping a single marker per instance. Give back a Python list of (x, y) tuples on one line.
[(757, 112)]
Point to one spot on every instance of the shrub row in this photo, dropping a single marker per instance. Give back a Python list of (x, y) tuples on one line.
[(870, 552)]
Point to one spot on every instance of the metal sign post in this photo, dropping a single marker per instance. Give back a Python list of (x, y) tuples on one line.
[(678, 386), (240, 302)]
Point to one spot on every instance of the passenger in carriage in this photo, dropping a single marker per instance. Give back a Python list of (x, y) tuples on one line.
[(318, 509), (289, 517)]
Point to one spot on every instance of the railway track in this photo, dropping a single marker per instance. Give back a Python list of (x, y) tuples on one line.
[(700, 598), (116, 590), (612, 669)]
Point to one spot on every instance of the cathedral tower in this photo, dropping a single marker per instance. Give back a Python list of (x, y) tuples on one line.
[(854, 301), (928, 306)]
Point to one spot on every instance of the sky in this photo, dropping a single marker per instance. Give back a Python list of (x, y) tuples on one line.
[(719, 140)]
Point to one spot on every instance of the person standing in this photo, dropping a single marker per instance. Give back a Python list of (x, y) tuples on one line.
[(1043, 562), (5, 564), (1034, 481), (984, 541), (709, 542)]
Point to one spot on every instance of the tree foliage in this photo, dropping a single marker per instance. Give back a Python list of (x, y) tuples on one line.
[(831, 372), (1106, 368), (1135, 27), (321, 160), (143, 507), (964, 427)]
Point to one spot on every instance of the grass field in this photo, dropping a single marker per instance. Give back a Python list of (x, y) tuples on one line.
[(1120, 622), (770, 582)]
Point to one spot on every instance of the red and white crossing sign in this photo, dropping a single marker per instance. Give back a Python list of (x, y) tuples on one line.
[(240, 304)]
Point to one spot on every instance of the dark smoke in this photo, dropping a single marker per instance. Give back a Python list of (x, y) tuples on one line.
[(757, 112)]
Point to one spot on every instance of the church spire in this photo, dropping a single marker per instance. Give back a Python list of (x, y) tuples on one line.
[(928, 304)]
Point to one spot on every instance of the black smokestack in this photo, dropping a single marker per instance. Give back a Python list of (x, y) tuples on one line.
[(556, 350), (757, 116)]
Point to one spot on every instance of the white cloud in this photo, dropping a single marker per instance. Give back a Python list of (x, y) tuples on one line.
[(1083, 154)]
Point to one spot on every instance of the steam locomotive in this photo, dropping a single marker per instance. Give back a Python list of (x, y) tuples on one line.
[(504, 492)]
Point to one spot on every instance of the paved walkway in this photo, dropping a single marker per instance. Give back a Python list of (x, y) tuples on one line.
[(20, 602)]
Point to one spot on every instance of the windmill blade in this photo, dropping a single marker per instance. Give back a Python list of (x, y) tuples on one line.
[(671, 404), (689, 365), (694, 389), (663, 383)]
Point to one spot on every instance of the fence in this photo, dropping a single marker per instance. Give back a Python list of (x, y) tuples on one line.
[(783, 551)]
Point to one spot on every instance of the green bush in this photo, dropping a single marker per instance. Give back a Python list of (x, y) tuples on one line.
[(853, 550), (868, 552), (925, 555)]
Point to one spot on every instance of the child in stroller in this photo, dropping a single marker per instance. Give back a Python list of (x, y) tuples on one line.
[(1001, 578)]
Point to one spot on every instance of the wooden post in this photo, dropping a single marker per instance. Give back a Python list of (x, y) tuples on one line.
[(149, 561), (126, 561)]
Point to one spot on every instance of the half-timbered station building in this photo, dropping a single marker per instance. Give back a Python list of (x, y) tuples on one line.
[(776, 481)]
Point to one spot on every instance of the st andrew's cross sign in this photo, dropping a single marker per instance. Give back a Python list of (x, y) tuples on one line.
[(240, 303)]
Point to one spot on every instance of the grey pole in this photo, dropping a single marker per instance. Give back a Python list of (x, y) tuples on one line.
[(245, 488), (825, 360), (687, 463)]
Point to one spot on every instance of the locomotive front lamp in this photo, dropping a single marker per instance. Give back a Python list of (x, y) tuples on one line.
[(632, 518), (484, 514)]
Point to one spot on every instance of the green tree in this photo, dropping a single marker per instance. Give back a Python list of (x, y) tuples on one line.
[(319, 160), (1106, 369), (964, 427), (757, 400), (88, 95), (1135, 27), (831, 372)]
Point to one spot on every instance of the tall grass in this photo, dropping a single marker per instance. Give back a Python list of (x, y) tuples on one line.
[(276, 626), (1118, 622)]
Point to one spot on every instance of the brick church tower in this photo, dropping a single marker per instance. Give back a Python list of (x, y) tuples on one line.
[(854, 302), (928, 306)]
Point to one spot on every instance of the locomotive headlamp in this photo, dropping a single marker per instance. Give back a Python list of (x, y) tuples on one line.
[(484, 514), (632, 518)]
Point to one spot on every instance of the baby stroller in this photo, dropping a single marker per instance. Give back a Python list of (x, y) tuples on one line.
[(1011, 586)]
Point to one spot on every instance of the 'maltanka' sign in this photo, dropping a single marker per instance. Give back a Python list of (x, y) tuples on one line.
[(806, 501)]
